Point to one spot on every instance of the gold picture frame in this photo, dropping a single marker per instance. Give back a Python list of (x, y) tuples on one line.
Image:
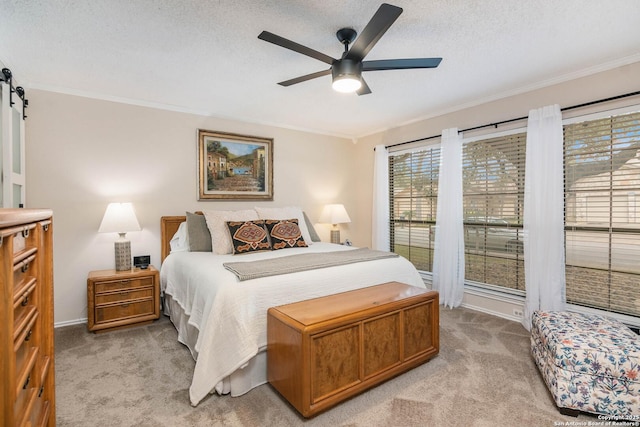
[(234, 167)]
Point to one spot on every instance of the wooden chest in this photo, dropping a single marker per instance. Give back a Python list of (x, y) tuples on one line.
[(325, 350)]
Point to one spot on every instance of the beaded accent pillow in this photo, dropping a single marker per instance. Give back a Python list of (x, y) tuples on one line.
[(248, 236), (284, 233)]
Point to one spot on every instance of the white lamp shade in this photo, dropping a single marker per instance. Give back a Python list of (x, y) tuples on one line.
[(119, 218), (334, 214)]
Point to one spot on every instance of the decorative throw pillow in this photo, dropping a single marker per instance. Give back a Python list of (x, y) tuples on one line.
[(199, 235), (217, 223), (286, 213), (284, 233), (312, 231), (180, 241), (248, 236)]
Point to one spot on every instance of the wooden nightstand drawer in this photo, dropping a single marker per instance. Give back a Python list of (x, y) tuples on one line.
[(116, 285), (124, 295), (117, 299), (124, 311)]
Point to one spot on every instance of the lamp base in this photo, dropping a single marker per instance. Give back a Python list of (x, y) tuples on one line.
[(123, 255), (335, 236)]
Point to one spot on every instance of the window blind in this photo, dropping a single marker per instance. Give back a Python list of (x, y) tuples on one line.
[(602, 218), (493, 194), (413, 191)]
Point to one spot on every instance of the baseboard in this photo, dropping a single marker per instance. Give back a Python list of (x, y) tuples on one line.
[(485, 310), (70, 323), (511, 306), (486, 300)]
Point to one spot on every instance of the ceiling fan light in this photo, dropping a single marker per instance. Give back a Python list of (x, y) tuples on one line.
[(346, 75), (346, 84)]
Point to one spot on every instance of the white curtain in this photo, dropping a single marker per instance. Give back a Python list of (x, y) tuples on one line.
[(448, 259), (543, 214), (380, 214)]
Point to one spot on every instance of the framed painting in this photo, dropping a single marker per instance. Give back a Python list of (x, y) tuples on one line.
[(234, 167)]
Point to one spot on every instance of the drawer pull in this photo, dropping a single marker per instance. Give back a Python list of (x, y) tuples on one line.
[(25, 301), (41, 391), (25, 233), (125, 305), (25, 267), (26, 383), (28, 337), (45, 227)]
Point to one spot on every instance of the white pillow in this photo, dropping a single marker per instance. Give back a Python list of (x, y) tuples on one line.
[(287, 213), (217, 224), (180, 241)]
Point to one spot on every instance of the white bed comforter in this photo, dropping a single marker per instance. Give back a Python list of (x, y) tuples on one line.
[(231, 316)]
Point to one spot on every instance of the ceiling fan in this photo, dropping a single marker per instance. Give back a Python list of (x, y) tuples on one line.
[(347, 71)]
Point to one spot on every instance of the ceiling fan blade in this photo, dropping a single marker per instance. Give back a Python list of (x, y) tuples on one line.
[(364, 89), (400, 64), (305, 78), (385, 16), (296, 47)]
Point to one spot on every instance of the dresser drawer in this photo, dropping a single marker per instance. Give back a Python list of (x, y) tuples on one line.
[(26, 392), (125, 310), (24, 272), (24, 238), (25, 344), (41, 411), (24, 308), (115, 285), (125, 295)]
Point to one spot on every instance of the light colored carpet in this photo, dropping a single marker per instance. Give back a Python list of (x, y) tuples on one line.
[(483, 376)]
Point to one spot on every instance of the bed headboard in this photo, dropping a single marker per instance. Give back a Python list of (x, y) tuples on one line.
[(168, 227)]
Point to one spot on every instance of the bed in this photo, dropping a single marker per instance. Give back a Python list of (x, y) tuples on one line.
[(222, 319)]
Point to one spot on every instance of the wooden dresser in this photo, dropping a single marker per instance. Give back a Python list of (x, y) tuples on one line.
[(325, 350), (26, 318)]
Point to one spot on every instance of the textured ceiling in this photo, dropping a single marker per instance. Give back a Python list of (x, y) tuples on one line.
[(203, 56)]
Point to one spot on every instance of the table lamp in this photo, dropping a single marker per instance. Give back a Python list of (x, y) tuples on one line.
[(334, 214), (120, 218)]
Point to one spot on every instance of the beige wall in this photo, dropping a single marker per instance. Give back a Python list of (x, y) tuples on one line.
[(84, 153)]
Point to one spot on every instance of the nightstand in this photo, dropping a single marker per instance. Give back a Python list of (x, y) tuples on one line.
[(117, 299)]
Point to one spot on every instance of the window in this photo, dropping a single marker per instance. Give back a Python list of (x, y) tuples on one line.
[(602, 225), (602, 210), (493, 193), (413, 193)]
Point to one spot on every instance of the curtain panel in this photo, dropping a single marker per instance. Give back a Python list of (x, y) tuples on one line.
[(448, 259), (380, 215), (543, 219)]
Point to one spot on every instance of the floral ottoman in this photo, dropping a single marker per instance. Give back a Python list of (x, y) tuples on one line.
[(590, 363)]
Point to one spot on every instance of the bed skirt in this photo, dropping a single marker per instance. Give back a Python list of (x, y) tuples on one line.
[(248, 377)]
